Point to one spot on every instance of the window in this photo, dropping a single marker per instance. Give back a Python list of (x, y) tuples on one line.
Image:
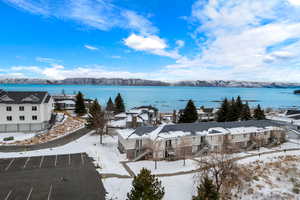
[(22, 118), (9, 118), (34, 108), (34, 117), (21, 108), (8, 108)]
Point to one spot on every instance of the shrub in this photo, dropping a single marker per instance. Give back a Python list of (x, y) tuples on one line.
[(8, 138), (296, 190)]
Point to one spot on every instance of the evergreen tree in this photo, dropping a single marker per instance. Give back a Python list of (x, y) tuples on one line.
[(232, 114), (222, 112), (207, 190), (189, 114), (259, 114), (96, 119), (79, 104), (110, 105), (245, 114), (119, 104), (146, 187), (239, 106)]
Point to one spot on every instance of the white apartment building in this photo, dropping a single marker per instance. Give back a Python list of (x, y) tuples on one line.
[(25, 111)]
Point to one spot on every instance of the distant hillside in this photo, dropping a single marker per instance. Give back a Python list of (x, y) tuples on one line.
[(142, 82)]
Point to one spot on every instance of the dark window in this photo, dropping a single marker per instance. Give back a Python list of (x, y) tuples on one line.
[(34, 108), (34, 117), (22, 118), (8, 108), (21, 108), (9, 118)]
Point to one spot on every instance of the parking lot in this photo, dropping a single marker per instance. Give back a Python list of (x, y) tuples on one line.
[(57, 177)]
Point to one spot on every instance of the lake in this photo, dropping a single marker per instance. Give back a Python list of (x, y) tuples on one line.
[(169, 98)]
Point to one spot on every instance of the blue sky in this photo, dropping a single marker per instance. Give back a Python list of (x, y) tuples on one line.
[(162, 40)]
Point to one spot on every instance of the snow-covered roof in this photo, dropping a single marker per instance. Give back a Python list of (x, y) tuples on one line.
[(67, 102), (202, 128)]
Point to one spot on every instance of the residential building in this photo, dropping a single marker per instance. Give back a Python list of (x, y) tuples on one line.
[(136, 117), (25, 111), (191, 139)]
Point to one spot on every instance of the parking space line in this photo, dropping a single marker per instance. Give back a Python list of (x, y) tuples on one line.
[(69, 159), (42, 159), (49, 194), (8, 194), (26, 162), (9, 164), (55, 161), (28, 197)]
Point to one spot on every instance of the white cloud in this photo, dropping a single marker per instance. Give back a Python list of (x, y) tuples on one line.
[(90, 47), (116, 57), (99, 14), (35, 69), (151, 44), (294, 2), (58, 72), (47, 60), (242, 39)]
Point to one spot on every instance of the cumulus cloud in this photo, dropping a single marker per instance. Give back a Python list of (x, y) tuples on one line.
[(242, 39), (151, 44), (90, 47), (58, 72)]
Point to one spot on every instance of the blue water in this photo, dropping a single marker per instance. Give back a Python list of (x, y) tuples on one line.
[(169, 98)]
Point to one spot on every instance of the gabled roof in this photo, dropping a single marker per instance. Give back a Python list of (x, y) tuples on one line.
[(24, 97), (202, 126), (211, 127)]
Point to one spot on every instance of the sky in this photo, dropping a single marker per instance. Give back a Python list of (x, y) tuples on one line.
[(169, 40)]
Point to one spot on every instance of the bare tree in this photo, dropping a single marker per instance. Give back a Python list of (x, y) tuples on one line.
[(97, 119), (222, 168)]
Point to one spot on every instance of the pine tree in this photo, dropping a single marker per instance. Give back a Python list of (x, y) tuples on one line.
[(222, 112), (206, 190), (259, 114), (146, 186), (79, 104), (110, 105), (96, 119), (232, 114), (239, 106), (245, 114), (189, 114), (119, 104)]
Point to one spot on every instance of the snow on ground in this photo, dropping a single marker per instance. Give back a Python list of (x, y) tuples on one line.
[(17, 137), (176, 187), (107, 155), (269, 157), (164, 166)]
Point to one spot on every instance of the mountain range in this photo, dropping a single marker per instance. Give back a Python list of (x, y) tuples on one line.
[(143, 82)]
